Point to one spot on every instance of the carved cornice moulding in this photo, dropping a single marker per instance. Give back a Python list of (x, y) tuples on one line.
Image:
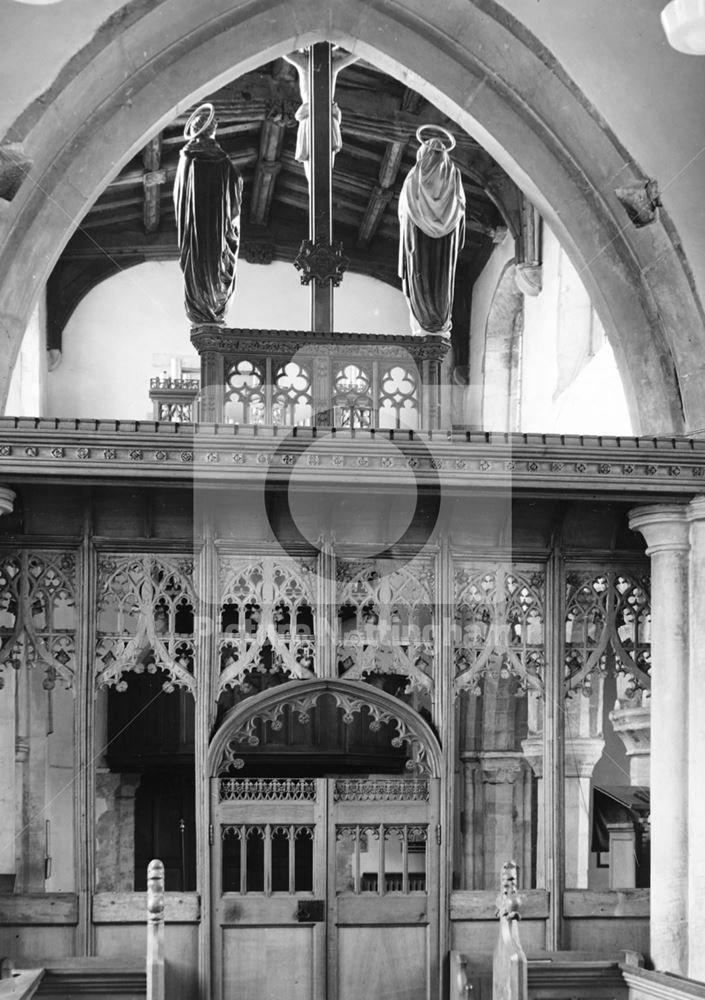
[(226, 340), (227, 454)]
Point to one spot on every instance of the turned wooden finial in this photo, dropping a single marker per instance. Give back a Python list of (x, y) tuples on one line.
[(508, 900), (155, 891)]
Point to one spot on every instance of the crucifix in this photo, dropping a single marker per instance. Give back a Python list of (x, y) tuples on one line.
[(320, 260)]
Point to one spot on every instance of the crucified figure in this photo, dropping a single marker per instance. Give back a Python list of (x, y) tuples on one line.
[(339, 60)]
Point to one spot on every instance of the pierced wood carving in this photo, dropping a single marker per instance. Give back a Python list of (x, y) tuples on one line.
[(350, 705), (385, 622), (38, 614), (267, 622), (499, 620), (145, 619), (608, 628)]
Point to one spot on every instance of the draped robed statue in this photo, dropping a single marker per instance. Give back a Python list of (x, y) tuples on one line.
[(207, 200), (431, 232)]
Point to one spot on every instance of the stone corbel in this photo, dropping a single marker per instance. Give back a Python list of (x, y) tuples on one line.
[(641, 201), (633, 726), (14, 167)]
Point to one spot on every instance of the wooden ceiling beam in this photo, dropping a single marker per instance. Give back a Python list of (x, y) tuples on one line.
[(382, 193), (266, 169), (152, 180)]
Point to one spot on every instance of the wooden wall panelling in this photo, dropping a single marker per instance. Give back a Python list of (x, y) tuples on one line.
[(180, 952)]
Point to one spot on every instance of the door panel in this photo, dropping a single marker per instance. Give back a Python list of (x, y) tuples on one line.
[(383, 888), (268, 864), (385, 961), (325, 889), (269, 963)]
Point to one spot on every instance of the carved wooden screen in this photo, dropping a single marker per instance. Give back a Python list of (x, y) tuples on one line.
[(386, 626), (38, 613), (268, 612), (607, 726), (38, 640), (499, 667), (145, 682), (145, 619)]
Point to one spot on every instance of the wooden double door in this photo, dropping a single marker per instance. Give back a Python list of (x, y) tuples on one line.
[(325, 888)]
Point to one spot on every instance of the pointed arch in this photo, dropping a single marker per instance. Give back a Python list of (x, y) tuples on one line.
[(151, 60)]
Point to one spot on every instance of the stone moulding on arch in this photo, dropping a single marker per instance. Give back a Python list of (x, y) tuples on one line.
[(152, 60)]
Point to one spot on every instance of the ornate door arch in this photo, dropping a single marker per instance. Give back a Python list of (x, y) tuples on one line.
[(325, 887)]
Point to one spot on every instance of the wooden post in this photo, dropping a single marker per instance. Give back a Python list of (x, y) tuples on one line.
[(320, 187), (155, 931), (509, 975)]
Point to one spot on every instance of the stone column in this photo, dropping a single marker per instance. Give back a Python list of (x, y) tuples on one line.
[(500, 771), (581, 755), (696, 742), (533, 752), (665, 528)]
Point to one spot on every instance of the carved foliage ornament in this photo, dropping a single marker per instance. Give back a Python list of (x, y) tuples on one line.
[(322, 262), (145, 619), (38, 613), (499, 627)]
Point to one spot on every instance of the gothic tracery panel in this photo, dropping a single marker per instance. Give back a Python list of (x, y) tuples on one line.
[(608, 626), (38, 613), (267, 622), (499, 626), (385, 623), (145, 619)]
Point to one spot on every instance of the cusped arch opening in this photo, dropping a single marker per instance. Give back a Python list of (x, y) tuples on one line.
[(279, 733)]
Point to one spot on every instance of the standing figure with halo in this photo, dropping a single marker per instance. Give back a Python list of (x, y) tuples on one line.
[(431, 232), (207, 200)]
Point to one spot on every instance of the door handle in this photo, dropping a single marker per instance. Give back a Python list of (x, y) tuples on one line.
[(311, 911)]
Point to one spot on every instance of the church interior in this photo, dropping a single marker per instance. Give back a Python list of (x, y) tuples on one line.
[(352, 538)]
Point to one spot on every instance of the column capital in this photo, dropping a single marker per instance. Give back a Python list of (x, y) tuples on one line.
[(696, 509), (7, 500), (664, 526)]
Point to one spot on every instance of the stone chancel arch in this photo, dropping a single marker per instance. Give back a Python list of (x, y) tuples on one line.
[(488, 73)]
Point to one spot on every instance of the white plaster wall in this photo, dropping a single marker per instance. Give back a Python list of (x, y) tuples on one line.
[(648, 94), (128, 328), (482, 295), (28, 384), (569, 378)]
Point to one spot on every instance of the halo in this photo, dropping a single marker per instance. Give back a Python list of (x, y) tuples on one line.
[(188, 133), (437, 128)]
